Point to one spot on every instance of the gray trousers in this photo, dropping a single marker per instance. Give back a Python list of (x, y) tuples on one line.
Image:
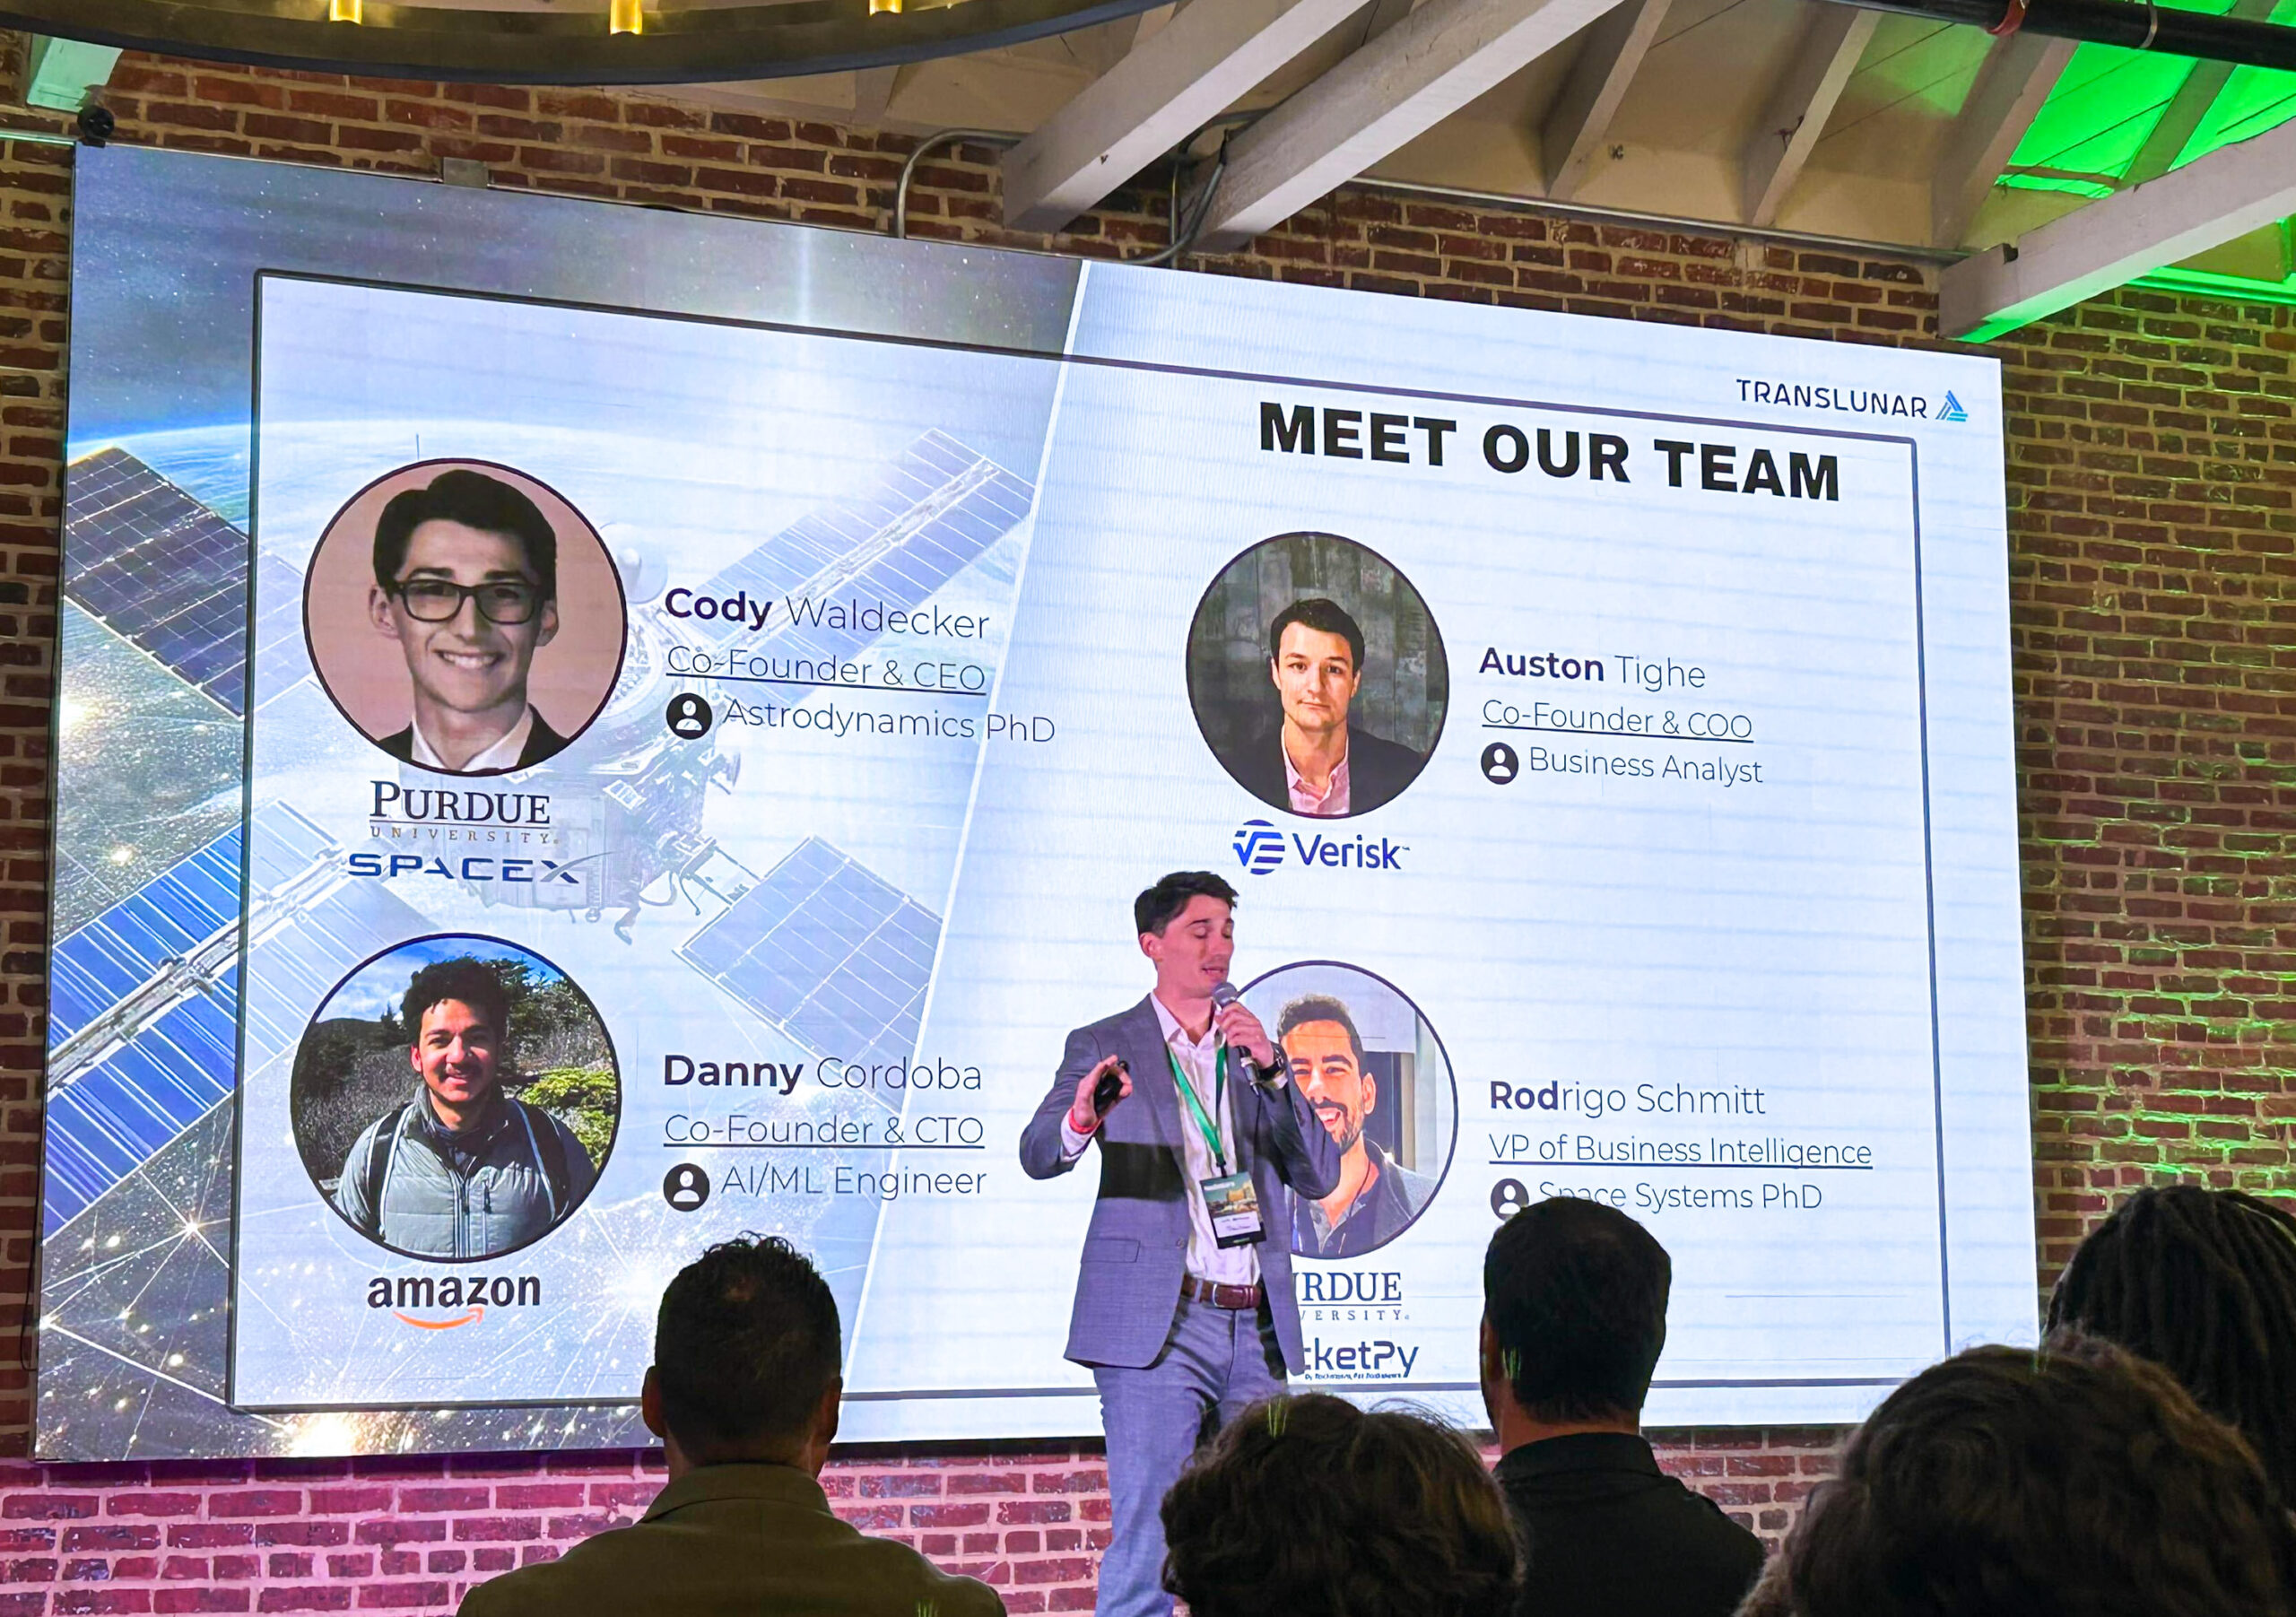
[(1215, 1362)]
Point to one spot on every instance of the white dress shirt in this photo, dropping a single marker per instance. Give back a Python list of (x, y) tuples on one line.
[(1198, 1059), (504, 755)]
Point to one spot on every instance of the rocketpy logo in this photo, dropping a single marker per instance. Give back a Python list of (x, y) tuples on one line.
[(1260, 847), (1953, 411)]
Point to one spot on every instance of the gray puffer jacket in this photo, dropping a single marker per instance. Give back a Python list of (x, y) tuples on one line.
[(423, 1190)]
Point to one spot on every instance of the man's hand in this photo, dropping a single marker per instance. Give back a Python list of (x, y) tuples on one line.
[(1242, 1031), (1083, 1116)]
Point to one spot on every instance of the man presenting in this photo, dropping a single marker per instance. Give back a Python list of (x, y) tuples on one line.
[(1317, 762), (466, 582), (1183, 1310), (462, 1170), (1376, 1197)]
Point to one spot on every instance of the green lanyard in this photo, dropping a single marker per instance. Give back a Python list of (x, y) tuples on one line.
[(1196, 1106)]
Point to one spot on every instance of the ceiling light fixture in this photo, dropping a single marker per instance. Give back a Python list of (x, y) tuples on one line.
[(561, 42)]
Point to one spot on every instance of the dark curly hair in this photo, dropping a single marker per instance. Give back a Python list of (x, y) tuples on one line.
[(2202, 1283), (1309, 1504), (2074, 1480), (463, 977)]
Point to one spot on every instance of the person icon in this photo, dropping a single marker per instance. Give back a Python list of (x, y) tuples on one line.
[(685, 1187), (689, 716), (1499, 764)]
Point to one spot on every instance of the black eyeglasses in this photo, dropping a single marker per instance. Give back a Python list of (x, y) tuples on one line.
[(439, 600)]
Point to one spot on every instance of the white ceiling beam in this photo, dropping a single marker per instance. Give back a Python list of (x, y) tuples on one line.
[(1171, 85), (2178, 119), (1099, 48), (1798, 108), (873, 94), (1379, 16), (2018, 74), (1409, 79), (2189, 105), (2208, 202), (1579, 121), (61, 75)]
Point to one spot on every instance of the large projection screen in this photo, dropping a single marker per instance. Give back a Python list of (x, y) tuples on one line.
[(883, 616)]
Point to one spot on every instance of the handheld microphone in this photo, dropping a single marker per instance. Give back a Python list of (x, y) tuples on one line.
[(1224, 995)]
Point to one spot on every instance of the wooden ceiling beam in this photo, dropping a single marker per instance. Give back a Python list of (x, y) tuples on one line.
[(1579, 121), (2019, 72), (2181, 118), (1168, 86), (2208, 202), (1411, 77), (1799, 106)]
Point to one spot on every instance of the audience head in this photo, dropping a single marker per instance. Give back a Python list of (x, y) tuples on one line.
[(1574, 1308), (1311, 1504), (2070, 1480), (2202, 1283), (746, 1357)]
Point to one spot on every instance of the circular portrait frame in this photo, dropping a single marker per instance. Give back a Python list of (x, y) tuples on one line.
[(319, 1132), (366, 673), (1339, 592), (1257, 995)]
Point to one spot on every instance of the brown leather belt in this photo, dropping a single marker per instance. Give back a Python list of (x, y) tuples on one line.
[(1222, 1297)]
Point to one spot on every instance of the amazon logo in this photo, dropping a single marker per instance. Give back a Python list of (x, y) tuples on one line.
[(464, 1299)]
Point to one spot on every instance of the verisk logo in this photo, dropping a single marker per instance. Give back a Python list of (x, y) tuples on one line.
[(1260, 847), (1952, 410)]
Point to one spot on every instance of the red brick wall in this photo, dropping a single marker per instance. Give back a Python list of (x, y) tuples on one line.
[(2154, 584)]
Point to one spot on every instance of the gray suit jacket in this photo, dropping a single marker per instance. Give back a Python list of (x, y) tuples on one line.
[(1136, 1251)]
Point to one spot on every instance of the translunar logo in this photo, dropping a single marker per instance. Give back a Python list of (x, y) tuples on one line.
[(1260, 847), (1952, 410)]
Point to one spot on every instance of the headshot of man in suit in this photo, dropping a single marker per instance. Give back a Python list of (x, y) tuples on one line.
[(1331, 767), (1316, 675), (466, 582)]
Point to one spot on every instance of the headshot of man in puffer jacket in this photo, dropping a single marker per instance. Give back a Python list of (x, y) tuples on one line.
[(461, 1169)]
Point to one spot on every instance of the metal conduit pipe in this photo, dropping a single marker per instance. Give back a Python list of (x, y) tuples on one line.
[(2136, 24), (933, 142)]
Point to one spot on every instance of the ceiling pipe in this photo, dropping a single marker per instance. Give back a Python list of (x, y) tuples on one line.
[(2134, 24)]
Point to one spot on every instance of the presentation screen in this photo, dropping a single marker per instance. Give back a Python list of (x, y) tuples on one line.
[(589, 732)]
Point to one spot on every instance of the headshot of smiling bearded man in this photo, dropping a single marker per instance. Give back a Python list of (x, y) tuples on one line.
[(465, 580), (461, 1169), (1376, 1196)]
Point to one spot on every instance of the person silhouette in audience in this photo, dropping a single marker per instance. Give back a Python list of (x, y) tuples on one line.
[(1309, 1507), (743, 1394), (2072, 1481), (1574, 1316), (2203, 1282)]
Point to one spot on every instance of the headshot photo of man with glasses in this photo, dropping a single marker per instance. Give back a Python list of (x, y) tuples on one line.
[(464, 595)]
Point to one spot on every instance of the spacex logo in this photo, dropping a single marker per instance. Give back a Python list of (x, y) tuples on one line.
[(1260, 847)]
